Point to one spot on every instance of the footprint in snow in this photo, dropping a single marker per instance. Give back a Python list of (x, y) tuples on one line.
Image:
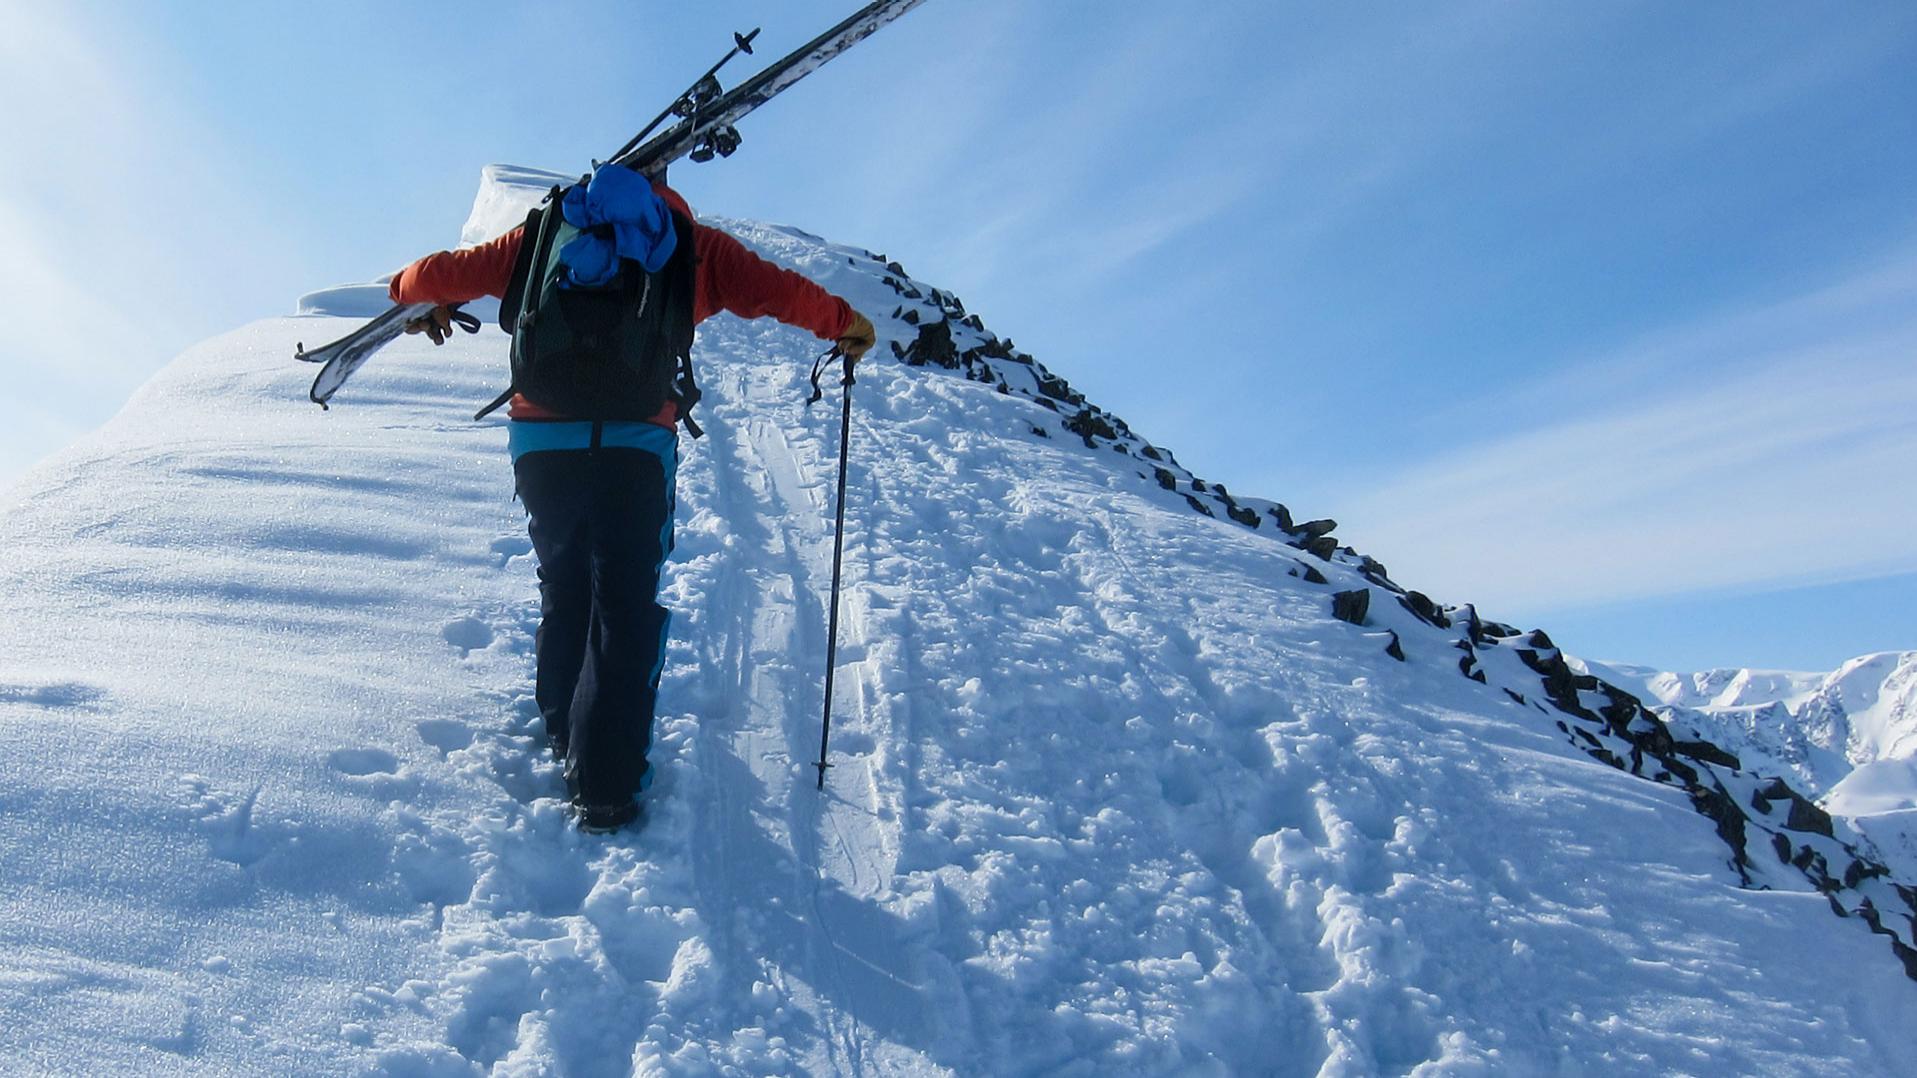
[(509, 547), (468, 635), (374, 772), (444, 734), (225, 819)]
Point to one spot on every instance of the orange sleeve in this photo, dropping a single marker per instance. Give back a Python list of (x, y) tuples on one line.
[(458, 276), (734, 279)]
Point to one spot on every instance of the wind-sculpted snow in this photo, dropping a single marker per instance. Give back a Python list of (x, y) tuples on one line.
[(1114, 792)]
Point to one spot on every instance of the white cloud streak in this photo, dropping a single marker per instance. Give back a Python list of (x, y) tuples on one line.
[(1674, 471)]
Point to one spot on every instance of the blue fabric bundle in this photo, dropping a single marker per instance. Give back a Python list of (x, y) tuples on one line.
[(619, 216)]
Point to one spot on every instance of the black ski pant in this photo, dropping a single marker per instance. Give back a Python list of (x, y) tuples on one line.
[(601, 525)]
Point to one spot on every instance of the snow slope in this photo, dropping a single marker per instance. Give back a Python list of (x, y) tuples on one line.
[(1114, 792)]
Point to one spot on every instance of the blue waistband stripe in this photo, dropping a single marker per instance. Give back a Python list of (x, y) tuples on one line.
[(523, 436)]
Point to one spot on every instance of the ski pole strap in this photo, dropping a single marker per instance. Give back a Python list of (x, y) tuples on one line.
[(818, 368), (687, 394), (463, 319), (494, 406)]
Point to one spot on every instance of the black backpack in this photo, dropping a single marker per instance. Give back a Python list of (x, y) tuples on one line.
[(615, 352)]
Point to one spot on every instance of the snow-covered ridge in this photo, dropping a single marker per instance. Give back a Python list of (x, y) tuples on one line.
[(1119, 787), (1776, 835)]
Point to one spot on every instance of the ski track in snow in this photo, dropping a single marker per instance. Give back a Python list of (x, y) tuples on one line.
[(1111, 792)]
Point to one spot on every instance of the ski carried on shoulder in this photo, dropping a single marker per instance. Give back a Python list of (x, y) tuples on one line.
[(707, 127), (705, 130), (344, 356)]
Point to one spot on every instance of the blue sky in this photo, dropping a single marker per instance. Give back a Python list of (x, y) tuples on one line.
[(1601, 316)]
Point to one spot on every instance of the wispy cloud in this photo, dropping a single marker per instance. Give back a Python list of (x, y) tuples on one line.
[(107, 263), (1761, 448)]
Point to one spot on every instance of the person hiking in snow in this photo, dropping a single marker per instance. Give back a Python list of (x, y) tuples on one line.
[(601, 289)]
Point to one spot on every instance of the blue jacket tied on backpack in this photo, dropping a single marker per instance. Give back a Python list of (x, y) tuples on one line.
[(619, 216)]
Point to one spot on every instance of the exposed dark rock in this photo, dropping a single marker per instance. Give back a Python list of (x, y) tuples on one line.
[(1322, 547), (1282, 515), (933, 346), (896, 268), (1243, 516), (1467, 665), (1859, 871), (1559, 684), (911, 316), (1424, 609), (1313, 576), (1200, 506), (1165, 478), (1374, 571), (1313, 529), (1041, 432), (1351, 606), (1056, 388), (1151, 452), (1804, 815), (1090, 423), (1199, 485), (1394, 649)]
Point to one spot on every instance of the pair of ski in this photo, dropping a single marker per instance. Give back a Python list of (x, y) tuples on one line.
[(704, 130)]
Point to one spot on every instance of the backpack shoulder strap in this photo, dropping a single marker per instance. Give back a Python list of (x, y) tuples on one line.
[(515, 297), (684, 266)]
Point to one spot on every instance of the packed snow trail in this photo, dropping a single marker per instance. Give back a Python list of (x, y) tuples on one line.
[(1113, 792)]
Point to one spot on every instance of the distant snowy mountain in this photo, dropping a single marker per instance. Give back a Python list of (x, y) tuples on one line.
[(1847, 738), (1132, 774), (1821, 727)]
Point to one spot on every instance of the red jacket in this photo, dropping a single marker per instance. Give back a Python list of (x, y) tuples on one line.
[(728, 278)]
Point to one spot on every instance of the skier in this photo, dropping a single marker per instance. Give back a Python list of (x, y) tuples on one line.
[(598, 491)]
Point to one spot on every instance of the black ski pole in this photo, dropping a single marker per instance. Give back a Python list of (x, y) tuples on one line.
[(838, 544)]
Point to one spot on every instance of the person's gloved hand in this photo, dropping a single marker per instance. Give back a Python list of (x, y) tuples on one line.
[(858, 338), (436, 323)]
